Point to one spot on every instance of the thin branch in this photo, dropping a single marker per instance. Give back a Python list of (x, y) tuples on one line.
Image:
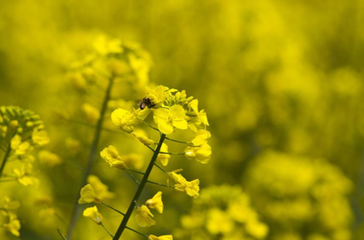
[(160, 184), (137, 232), (107, 205)]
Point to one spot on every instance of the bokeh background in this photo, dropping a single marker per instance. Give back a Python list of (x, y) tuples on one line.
[(282, 85)]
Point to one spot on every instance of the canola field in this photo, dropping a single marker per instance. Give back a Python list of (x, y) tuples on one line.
[(181, 119)]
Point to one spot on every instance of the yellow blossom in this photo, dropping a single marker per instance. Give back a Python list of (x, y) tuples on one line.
[(199, 118), (93, 214), (18, 146), (144, 217), (164, 237), (24, 175), (101, 190), (92, 114), (88, 195), (201, 137), (201, 153), (111, 156), (9, 205), (157, 95), (124, 119), (49, 158), (95, 191), (162, 157), (191, 188), (40, 137), (156, 202), (219, 222), (142, 136), (168, 119), (13, 226)]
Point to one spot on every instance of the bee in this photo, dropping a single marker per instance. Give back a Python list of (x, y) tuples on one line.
[(146, 102)]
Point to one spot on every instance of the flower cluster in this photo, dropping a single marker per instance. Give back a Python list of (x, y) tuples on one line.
[(8, 209), (171, 111), (298, 194), (222, 212), (21, 132)]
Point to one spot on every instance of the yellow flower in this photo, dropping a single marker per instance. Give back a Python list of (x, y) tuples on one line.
[(124, 119), (168, 119), (163, 158), (111, 156), (191, 188), (199, 118), (9, 205), (143, 137), (49, 158), (88, 195), (40, 137), (201, 137), (101, 190), (95, 191), (13, 226), (24, 175), (92, 114), (93, 214), (156, 202), (201, 153), (157, 95), (18, 146), (144, 217), (164, 237)]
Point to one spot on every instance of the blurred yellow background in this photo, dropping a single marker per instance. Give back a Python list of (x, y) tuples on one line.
[(282, 85)]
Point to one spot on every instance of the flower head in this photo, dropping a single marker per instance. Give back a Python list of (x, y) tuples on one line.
[(111, 156), (13, 226), (191, 188), (24, 175), (124, 119), (144, 217), (142, 136), (93, 214), (95, 191), (156, 202), (168, 119), (201, 153)]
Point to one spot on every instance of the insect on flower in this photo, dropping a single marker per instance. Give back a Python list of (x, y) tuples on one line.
[(146, 102)]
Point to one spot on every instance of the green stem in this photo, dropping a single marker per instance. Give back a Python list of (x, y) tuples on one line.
[(151, 126), (63, 237), (177, 141), (137, 232), (160, 184), (139, 190), (107, 230), (6, 156), (92, 156), (135, 171), (107, 205), (161, 168), (131, 175)]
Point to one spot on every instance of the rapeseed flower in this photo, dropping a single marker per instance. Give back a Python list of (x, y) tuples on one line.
[(111, 156), (93, 214), (191, 188), (164, 237), (144, 217), (156, 202), (168, 119)]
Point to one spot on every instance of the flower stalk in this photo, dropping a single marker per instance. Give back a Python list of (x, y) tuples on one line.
[(142, 184), (93, 153), (5, 159)]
